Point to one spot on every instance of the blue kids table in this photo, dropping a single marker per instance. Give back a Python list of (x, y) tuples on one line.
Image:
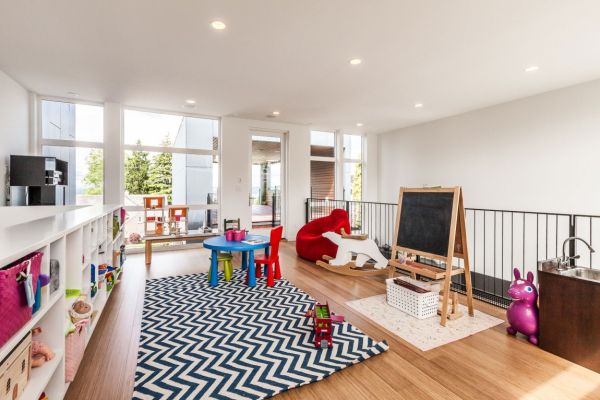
[(219, 243)]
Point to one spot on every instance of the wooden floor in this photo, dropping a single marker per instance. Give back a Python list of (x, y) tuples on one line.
[(488, 365)]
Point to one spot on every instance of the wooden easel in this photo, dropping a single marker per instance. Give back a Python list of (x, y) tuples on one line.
[(457, 247)]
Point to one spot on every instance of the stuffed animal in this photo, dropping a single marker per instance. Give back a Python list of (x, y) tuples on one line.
[(40, 352), (364, 249), (80, 310), (523, 312)]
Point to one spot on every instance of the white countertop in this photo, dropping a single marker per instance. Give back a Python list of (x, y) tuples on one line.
[(21, 239)]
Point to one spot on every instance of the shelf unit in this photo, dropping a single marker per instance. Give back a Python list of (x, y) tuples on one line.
[(79, 239)]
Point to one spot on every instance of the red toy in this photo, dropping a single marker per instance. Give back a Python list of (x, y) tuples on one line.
[(323, 323), (310, 243)]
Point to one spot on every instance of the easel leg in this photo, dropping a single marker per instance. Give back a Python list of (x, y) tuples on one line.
[(446, 289), (469, 291), (454, 303)]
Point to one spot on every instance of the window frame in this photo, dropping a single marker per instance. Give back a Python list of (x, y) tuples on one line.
[(40, 141), (333, 159), (345, 161)]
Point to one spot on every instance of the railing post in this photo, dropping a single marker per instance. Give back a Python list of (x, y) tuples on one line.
[(306, 211), (273, 209), (572, 230)]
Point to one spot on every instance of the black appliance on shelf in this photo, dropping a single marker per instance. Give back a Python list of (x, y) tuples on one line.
[(38, 181)]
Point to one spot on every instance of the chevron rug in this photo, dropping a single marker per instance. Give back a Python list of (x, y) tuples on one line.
[(235, 342)]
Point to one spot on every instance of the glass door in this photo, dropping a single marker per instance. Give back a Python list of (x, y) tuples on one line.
[(266, 197)]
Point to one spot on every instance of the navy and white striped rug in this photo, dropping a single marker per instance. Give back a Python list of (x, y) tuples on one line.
[(235, 342)]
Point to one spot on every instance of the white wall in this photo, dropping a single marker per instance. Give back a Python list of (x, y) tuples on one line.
[(541, 153), (235, 180), (371, 168), (14, 124)]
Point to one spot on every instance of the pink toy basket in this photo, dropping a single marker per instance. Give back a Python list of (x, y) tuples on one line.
[(74, 349), (14, 311), (239, 235)]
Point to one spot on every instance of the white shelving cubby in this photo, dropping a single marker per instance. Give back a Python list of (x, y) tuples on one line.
[(75, 239)]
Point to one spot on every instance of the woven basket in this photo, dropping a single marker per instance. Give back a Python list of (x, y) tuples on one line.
[(74, 349), (420, 305), (14, 311)]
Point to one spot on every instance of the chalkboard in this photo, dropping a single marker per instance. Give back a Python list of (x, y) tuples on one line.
[(425, 222)]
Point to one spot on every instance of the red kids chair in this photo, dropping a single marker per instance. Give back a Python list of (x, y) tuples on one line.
[(270, 261), (310, 243)]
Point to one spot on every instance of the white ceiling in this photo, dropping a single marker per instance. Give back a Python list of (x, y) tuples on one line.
[(292, 55)]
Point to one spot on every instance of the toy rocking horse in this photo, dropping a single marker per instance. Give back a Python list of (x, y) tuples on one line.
[(365, 250)]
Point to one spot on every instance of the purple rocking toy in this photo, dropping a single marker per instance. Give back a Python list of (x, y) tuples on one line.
[(522, 314)]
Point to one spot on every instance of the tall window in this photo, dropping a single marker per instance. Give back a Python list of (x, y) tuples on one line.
[(322, 164), (352, 169), (74, 133), (175, 156)]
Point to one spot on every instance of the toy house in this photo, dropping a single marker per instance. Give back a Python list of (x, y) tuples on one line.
[(154, 215)]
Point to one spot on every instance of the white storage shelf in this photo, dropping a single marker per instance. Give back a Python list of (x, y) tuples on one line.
[(71, 237)]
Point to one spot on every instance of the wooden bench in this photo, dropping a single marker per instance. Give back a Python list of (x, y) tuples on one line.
[(191, 235)]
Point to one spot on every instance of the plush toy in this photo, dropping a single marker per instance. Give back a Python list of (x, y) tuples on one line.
[(80, 310), (40, 352), (523, 312)]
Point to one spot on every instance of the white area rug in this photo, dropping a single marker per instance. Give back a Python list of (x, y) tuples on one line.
[(425, 334)]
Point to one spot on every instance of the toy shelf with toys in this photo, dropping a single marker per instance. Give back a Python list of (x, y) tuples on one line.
[(73, 243)]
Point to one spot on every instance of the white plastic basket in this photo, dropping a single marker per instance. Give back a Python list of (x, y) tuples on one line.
[(419, 305)]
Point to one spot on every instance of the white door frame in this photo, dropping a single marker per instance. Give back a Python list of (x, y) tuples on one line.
[(282, 135)]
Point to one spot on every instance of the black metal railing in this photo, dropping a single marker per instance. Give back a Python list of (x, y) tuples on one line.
[(498, 240)]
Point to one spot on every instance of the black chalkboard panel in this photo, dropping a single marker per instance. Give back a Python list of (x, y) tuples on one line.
[(425, 221)]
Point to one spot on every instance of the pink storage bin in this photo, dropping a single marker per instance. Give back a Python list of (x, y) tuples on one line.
[(229, 235), (14, 311), (239, 235), (74, 349)]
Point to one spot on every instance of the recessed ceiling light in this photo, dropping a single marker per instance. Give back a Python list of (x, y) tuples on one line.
[(418, 105), (74, 94), (218, 25), (276, 113), (355, 61), (190, 101), (532, 68), (359, 124)]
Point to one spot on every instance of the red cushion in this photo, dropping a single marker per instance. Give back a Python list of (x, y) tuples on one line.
[(311, 245)]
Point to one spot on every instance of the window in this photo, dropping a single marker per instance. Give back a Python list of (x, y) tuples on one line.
[(74, 133), (175, 156), (322, 164), (352, 170)]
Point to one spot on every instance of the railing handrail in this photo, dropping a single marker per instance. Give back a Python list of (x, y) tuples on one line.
[(560, 214)]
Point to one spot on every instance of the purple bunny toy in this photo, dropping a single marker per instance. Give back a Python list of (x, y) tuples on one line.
[(522, 314)]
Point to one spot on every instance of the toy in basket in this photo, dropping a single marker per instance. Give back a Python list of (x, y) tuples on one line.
[(415, 298), (80, 310), (323, 321)]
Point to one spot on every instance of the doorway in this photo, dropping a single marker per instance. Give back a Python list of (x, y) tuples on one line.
[(267, 170)]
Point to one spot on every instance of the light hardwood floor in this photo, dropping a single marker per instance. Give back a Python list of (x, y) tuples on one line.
[(488, 365)]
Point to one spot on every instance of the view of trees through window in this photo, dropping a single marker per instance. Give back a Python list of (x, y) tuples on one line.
[(147, 174)]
